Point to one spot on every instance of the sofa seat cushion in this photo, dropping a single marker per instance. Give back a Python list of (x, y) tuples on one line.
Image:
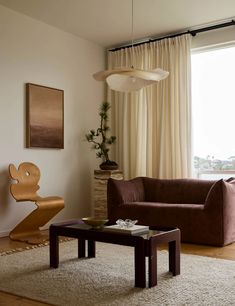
[(167, 206), (161, 214)]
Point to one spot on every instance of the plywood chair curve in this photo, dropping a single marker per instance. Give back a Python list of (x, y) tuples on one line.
[(27, 177)]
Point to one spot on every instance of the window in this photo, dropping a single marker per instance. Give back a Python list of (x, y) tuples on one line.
[(213, 112)]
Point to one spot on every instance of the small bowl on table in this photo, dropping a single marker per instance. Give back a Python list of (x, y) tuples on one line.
[(95, 222)]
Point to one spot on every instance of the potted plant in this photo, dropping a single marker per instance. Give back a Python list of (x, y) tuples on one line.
[(101, 141)]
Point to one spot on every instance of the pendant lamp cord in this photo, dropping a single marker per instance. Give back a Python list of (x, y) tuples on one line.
[(132, 31)]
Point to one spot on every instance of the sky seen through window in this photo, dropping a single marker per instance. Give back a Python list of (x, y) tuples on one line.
[(213, 103)]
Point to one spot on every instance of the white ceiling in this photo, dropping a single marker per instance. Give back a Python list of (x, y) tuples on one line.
[(108, 22)]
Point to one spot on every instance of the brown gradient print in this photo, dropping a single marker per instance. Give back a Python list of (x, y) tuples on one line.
[(45, 116)]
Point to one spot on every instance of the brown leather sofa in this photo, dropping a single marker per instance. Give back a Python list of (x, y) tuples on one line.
[(203, 210)]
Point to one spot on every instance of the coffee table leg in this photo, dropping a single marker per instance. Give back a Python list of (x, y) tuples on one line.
[(174, 257), (54, 249), (140, 270), (91, 248), (152, 256), (81, 248)]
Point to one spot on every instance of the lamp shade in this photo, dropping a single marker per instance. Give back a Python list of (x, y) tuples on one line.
[(130, 79)]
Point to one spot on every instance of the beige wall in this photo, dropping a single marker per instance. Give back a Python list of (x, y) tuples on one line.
[(31, 51), (213, 38)]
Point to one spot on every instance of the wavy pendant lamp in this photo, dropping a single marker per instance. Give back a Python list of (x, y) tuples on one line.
[(126, 79)]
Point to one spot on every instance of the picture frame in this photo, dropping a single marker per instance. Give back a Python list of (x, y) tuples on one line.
[(44, 117)]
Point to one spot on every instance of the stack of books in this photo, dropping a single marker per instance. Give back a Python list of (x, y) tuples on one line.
[(135, 229)]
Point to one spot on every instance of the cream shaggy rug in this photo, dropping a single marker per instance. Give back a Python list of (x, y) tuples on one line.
[(108, 279)]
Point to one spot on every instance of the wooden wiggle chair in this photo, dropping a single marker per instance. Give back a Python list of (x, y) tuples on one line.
[(25, 189)]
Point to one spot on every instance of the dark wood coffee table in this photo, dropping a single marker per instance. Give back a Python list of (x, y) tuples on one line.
[(145, 246)]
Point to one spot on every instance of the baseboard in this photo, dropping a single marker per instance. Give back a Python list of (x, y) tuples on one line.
[(43, 228), (6, 233)]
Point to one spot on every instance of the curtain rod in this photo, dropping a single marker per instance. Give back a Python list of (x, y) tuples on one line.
[(192, 32)]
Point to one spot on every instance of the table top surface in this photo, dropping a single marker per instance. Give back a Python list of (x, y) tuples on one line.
[(80, 226)]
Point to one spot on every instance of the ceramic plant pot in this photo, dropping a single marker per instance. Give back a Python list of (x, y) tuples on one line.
[(109, 165)]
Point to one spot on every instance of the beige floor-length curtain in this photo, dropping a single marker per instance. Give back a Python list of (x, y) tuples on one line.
[(153, 125)]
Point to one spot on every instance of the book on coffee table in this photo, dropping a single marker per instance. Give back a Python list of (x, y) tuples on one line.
[(135, 229)]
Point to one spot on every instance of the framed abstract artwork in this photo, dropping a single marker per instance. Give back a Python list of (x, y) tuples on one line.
[(44, 117)]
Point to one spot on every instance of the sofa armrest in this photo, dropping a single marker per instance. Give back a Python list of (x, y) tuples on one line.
[(222, 196), (120, 192), (229, 211), (220, 205), (214, 199)]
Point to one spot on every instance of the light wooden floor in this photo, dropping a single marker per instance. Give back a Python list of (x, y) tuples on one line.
[(227, 252)]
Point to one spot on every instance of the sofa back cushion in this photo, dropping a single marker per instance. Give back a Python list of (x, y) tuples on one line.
[(126, 191), (188, 191)]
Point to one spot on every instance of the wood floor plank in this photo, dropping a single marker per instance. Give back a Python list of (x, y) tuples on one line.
[(7, 299)]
